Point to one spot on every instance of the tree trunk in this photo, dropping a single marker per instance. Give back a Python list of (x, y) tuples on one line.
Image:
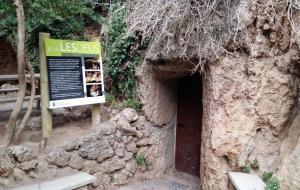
[(21, 73), (22, 125)]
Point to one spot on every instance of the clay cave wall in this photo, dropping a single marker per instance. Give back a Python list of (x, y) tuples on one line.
[(250, 101)]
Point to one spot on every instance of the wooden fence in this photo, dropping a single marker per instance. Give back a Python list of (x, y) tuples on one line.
[(5, 78)]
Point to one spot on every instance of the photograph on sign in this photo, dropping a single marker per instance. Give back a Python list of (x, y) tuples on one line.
[(75, 73)]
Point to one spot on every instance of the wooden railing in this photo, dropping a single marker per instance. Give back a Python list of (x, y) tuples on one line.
[(9, 90)]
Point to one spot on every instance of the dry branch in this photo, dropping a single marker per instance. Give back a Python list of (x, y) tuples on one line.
[(201, 28)]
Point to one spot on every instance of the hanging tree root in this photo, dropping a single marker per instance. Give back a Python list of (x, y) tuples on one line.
[(202, 29)]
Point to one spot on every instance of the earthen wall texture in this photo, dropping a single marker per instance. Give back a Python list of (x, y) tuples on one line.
[(250, 99)]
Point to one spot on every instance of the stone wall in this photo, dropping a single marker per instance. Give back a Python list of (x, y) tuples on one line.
[(109, 153)]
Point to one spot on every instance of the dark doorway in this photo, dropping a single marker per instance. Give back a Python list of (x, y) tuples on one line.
[(189, 123)]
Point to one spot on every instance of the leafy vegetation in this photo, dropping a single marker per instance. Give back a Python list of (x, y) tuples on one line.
[(69, 19), (266, 176), (122, 55), (254, 165), (246, 169), (273, 184), (271, 181), (112, 178), (64, 19), (141, 160)]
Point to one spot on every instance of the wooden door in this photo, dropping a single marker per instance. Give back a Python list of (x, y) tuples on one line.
[(189, 123)]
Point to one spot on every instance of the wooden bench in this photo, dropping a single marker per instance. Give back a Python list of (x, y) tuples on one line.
[(15, 77), (71, 182), (7, 90), (14, 99)]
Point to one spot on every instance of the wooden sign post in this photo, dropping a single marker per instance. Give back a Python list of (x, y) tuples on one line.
[(46, 113), (71, 75), (96, 107)]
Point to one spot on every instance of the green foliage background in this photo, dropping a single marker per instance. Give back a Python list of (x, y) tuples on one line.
[(68, 19), (120, 58), (63, 19)]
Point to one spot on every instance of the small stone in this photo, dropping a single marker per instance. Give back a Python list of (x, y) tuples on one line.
[(130, 114), (72, 145), (22, 153), (134, 139), (126, 139), (148, 131), (33, 174), (106, 128), (111, 139), (266, 27), (6, 181), (123, 125), (92, 150), (76, 161), (59, 157), (143, 142), (120, 150), (139, 134), (29, 165), (131, 147), (90, 166), (34, 123), (102, 180), (131, 166), (128, 155), (43, 166), (121, 178), (106, 153), (19, 174), (140, 123), (6, 165), (112, 165), (118, 136)]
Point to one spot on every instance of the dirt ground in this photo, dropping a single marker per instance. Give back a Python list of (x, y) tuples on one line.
[(61, 133), (175, 181)]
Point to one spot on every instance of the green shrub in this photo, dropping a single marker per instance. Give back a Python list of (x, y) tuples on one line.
[(63, 19), (132, 103), (266, 176), (112, 178), (273, 184), (121, 59), (141, 160), (254, 164), (246, 169)]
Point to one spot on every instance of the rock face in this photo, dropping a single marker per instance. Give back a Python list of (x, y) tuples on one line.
[(107, 152), (250, 100), (6, 166)]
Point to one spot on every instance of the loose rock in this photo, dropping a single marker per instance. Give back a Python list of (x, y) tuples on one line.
[(58, 157), (76, 161), (130, 114)]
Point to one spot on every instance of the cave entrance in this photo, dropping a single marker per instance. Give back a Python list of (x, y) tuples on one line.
[(189, 124)]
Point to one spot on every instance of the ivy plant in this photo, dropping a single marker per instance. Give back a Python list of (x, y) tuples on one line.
[(121, 59)]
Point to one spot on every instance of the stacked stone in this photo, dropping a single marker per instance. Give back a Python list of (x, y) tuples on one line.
[(108, 153)]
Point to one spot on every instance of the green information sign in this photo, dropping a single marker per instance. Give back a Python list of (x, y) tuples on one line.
[(60, 47), (75, 73)]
